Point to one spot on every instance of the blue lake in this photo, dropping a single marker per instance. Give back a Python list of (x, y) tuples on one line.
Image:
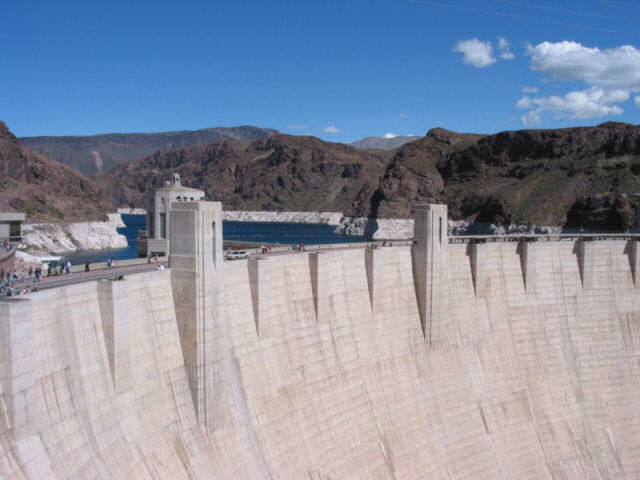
[(261, 232)]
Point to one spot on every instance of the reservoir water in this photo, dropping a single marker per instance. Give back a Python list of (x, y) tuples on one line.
[(261, 232)]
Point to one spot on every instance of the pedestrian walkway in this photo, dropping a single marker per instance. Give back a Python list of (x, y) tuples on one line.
[(78, 277)]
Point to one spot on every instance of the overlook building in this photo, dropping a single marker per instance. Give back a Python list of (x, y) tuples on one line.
[(10, 223), (155, 239)]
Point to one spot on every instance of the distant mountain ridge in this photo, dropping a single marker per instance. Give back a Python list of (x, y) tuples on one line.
[(384, 143), (574, 177), (97, 154)]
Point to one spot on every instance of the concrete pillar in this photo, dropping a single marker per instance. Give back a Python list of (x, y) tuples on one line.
[(584, 253), (477, 253), (319, 270), (113, 297), (527, 252), (634, 262), (17, 362), (260, 283), (430, 269), (373, 262), (198, 287)]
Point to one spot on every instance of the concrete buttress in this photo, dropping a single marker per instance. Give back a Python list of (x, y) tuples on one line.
[(634, 260), (430, 269), (197, 280), (260, 283), (113, 297), (17, 361), (527, 252), (319, 270)]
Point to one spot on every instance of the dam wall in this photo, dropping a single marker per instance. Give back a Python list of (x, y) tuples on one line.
[(318, 366)]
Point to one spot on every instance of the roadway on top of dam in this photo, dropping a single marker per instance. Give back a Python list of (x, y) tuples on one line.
[(142, 265)]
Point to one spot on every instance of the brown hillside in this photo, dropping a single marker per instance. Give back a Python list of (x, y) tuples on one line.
[(527, 176), (276, 173), (45, 189), (577, 177)]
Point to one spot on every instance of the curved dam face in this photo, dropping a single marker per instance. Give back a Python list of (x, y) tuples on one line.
[(495, 360)]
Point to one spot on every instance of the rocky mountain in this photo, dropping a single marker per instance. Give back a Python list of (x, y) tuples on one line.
[(585, 177), (576, 177), (281, 172), (383, 143), (44, 189), (97, 154)]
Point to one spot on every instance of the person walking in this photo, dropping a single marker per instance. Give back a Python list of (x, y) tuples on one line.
[(86, 267)]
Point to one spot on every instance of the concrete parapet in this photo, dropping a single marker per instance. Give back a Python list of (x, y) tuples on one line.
[(198, 288), (261, 295), (17, 362), (113, 297), (319, 270), (430, 268)]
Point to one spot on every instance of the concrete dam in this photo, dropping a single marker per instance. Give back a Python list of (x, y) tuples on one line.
[(494, 360)]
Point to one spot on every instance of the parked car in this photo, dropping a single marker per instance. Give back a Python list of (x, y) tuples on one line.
[(237, 255)]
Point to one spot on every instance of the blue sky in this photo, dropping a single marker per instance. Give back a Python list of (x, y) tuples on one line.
[(339, 70)]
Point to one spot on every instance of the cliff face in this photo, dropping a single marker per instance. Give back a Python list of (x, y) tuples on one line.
[(45, 189), (277, 173), (94, 155)]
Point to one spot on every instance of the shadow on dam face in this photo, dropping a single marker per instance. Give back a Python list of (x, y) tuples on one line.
[(317, 366)]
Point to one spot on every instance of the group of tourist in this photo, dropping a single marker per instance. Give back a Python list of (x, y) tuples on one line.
[(6, 245), (56, 269), (12, 292), (8, 279), (9, 275)]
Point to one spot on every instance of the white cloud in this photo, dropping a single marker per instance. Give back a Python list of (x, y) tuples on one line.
[(529, 90), (476, 53), (390, 135), (581, 104), (611, 76), (297, 127), (505, 50), (403, 115), (637, 101), (331, 129), (530, 118), (615, 68)]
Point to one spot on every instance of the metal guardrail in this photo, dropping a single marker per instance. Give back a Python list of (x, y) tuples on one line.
[(461, 239), (535, 237), (119, 263)]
